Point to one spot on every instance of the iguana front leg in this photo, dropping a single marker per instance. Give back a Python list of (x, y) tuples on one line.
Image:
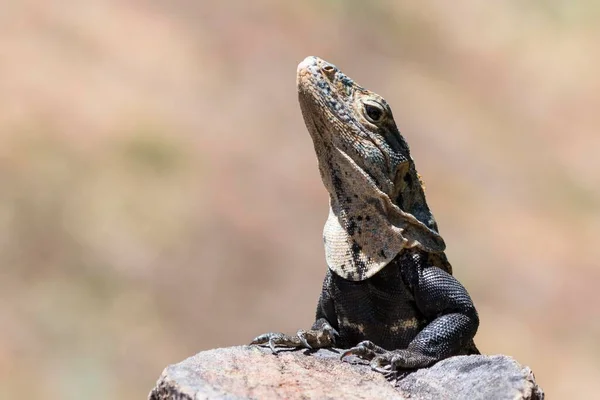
[(454, 321), (321, 335)]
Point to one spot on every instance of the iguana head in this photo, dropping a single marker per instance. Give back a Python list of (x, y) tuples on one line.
[(377, 201)]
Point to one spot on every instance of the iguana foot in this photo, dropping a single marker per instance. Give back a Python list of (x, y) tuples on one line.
[(311, 339), (366, 350), (274, 339), (390, 363)]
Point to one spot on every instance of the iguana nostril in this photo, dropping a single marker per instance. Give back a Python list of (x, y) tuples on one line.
[(328, 69)]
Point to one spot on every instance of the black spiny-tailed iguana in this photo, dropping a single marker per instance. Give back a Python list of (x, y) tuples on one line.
[(388, 295)]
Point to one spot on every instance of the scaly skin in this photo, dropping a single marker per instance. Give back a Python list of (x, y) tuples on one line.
[(389, 295)]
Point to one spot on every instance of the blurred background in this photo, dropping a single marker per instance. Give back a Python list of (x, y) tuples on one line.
[(160, 195)]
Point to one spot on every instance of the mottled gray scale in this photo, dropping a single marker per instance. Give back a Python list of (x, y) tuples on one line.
[(383, 306)]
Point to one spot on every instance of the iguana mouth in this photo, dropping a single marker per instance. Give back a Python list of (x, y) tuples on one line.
[(327, 98)]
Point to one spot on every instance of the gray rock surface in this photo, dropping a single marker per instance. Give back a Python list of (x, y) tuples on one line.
[(254, 373)]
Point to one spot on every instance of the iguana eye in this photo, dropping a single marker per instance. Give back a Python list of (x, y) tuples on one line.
[(374, 112)]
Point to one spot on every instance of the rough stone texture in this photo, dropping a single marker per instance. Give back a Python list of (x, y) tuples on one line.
[(254, 373)]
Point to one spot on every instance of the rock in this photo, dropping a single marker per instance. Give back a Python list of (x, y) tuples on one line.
[(250, 372)]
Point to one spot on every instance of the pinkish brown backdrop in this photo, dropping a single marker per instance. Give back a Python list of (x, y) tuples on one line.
[(160, 195)]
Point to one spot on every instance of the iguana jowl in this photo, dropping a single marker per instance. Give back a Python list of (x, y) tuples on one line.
[(388, 294)]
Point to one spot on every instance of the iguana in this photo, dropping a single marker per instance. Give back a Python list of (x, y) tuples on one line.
[(389, 296)]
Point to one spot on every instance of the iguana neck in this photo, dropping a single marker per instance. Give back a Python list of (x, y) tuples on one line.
[(377, 203)]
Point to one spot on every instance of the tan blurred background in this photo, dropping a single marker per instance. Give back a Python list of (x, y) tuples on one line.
[(160, 195)]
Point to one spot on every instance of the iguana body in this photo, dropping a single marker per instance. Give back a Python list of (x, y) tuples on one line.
[(388, 295)]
